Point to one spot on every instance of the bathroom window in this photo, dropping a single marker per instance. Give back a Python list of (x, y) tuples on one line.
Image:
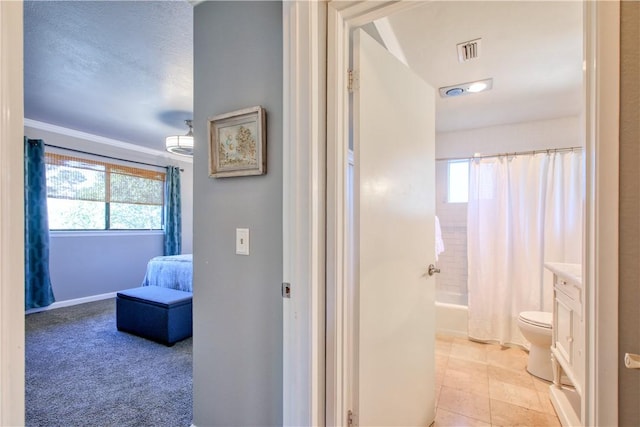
[(458, 179)]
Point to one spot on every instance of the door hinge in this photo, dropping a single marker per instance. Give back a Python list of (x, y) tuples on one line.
[(351, 418), (286, 290), (353, 81)]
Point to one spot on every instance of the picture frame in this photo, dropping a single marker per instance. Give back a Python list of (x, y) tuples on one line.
[(238, 143)]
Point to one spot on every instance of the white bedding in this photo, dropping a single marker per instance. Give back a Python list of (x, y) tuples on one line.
[(175, 272)]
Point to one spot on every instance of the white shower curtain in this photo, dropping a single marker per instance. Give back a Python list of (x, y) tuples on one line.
[(523, 211)]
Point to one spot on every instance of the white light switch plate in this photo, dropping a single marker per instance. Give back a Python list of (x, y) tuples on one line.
[(242, 241)]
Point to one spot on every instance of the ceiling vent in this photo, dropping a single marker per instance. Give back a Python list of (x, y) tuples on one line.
[(469, 50)]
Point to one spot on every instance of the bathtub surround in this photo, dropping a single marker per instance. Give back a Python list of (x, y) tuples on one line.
[(452, 281), (522, 211), (452, 319)]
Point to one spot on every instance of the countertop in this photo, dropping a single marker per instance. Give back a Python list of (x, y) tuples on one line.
[(572, 272)]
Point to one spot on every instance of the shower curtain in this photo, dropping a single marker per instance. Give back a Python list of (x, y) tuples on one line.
[(523, 210)]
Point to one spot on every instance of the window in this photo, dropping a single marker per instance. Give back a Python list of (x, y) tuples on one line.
[(458, 190), (85, 194)]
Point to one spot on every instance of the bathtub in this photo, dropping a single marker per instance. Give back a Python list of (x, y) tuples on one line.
[(452, 319)]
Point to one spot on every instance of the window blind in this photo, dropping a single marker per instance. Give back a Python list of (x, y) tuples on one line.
[(74, 178), (87, 194)]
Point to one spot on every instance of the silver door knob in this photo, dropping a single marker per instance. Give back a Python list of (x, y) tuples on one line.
[(432, 270)]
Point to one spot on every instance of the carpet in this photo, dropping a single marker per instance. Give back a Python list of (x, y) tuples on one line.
[(81, 371)]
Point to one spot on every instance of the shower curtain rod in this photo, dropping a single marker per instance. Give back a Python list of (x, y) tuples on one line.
[(518, 153), (105, 156)]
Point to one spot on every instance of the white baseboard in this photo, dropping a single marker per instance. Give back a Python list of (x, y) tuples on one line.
[(70, 302)]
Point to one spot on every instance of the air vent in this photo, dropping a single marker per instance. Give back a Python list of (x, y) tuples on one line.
[(469, 50)]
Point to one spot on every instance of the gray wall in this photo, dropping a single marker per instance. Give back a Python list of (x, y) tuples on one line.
[(237, 351), (86, 264), (629, 312)]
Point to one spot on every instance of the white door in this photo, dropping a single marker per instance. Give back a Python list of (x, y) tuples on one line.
[(394, 138)]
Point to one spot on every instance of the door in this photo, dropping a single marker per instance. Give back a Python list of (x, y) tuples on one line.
[(394, 189)]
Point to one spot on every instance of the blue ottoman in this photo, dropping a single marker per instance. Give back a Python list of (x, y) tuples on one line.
[(159, 314)]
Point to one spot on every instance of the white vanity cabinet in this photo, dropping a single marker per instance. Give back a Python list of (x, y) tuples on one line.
[(567, 345)]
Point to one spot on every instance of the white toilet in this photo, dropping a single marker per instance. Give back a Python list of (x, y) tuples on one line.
[(536, 328)]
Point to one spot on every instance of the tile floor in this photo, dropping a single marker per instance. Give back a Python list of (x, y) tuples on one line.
[(488, 385)]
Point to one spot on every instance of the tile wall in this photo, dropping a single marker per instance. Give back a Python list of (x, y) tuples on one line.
[(451, 283)]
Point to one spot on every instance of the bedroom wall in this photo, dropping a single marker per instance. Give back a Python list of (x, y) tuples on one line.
[(237, 351), (556, 133), (86, 264)]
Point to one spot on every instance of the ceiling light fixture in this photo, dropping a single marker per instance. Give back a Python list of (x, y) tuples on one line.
[(181, 144), (466, 88), (477, 87)]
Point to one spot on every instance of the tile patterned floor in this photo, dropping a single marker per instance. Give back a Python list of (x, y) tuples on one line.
[(488, 385)]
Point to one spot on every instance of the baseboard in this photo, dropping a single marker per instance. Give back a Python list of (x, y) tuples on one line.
[(70, 302)]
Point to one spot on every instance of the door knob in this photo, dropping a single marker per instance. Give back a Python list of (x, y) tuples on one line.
[(632, 361), (432, 270)]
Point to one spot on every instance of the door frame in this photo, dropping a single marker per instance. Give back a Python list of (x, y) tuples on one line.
[(11, 215), (303, 212), (304, 77), (601, 230)]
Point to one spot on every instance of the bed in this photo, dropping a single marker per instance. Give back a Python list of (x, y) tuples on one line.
[(175, 272)]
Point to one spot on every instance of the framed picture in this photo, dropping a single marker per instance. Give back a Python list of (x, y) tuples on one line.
[(238, 143)]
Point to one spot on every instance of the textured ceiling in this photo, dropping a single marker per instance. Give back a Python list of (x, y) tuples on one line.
[(532, 50), (122, 70)]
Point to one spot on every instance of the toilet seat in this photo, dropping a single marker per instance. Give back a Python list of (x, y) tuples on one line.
[(540, 319)]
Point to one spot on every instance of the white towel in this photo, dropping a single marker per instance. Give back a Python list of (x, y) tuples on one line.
[(439, 242)]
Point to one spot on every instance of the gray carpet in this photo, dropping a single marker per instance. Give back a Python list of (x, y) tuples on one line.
[(80, 371)]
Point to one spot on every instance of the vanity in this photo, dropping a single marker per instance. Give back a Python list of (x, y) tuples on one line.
[(568, 342)]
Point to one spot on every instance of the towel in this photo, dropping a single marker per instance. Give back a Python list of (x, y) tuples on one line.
[(439, 242)]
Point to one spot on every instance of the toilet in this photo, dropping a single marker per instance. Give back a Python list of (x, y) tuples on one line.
[(535, 326)]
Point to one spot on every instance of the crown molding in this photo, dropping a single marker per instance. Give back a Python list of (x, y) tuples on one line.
[(103, 140)]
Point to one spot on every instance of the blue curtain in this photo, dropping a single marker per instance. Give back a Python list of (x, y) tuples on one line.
[(38, 291), (172, 217)]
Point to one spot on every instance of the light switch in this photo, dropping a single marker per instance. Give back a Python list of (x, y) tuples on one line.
[(242, 241)]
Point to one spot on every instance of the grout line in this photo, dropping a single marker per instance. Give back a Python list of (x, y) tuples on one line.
[(489, 378)]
